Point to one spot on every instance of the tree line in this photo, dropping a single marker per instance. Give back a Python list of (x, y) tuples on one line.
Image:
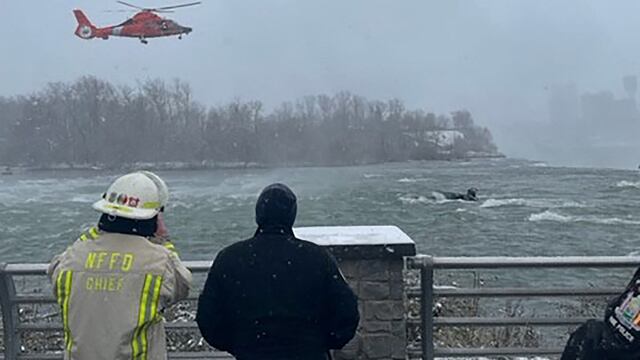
[(93, 122)]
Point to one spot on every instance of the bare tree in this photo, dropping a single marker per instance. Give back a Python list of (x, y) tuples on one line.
[(90, 121)]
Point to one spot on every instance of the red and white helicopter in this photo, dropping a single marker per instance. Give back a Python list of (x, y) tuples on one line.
[(144, 24)]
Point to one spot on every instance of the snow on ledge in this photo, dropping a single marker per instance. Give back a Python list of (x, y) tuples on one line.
[(353, 235)]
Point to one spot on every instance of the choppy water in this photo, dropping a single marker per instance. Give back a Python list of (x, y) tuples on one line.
[(526, 208)]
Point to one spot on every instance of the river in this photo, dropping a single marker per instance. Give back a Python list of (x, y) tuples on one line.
[(525, 208)]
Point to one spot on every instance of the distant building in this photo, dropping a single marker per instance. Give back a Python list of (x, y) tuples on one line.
[(597, 111), (564, 104), (595, 129), (605, 116), (630, 83)]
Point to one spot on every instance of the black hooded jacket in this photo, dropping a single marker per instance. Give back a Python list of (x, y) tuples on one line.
[(604, 339), (274, 296)]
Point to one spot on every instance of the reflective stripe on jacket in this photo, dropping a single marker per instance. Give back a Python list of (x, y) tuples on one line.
[(112, 290)]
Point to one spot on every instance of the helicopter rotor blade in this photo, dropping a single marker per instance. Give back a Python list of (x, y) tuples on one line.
[(179, 6), (130, 5)]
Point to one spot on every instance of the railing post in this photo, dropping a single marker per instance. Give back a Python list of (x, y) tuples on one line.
[(426, 306), (9, 314)]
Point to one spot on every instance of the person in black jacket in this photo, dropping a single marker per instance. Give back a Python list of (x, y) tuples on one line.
[(274, 296), (617, 336)]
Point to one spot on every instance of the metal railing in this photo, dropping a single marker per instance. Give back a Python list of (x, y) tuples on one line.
[(13, 329), (427, 292)]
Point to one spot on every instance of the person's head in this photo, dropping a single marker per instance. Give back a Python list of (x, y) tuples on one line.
[(132, 203), (276, 207), (472, 192)]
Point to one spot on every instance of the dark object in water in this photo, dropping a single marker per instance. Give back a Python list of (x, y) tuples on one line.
[(471, 195), (7, 171)]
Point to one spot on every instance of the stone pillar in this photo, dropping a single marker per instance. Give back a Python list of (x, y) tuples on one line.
[(371, 259)]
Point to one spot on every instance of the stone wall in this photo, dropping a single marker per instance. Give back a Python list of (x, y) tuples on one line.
[(373, 267)]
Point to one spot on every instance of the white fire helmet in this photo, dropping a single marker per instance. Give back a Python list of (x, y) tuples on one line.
[(140, 195), (164, 190)]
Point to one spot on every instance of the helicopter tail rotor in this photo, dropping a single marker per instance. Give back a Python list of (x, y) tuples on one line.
[(85, 29)]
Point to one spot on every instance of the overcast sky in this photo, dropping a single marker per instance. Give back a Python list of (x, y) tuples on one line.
[(493, 57)]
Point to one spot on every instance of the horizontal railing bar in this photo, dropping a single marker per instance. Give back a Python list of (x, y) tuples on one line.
[(53, 326), (49, 299), (516, 292), (41, 269), (172, 355), (200, 355), (56, 326), (33, 299), (464, 352), (492, 321), (497, 351), (27, 269), (438, 263), (181, 325), (496, 262)]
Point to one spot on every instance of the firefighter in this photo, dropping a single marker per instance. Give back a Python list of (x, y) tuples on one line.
[(114, 282)]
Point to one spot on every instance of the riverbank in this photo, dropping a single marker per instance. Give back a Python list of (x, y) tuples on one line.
[(213, 165)]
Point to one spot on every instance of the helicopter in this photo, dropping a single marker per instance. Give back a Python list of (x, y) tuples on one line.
[(144, 24)]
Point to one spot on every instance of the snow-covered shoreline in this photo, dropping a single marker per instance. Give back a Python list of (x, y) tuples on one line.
[(211, 165)]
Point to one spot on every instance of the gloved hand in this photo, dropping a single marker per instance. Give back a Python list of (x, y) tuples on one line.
[(161, 236), (162, 231)]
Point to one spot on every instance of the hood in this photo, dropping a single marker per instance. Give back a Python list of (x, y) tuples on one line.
[(116, 224), (276, 208)]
